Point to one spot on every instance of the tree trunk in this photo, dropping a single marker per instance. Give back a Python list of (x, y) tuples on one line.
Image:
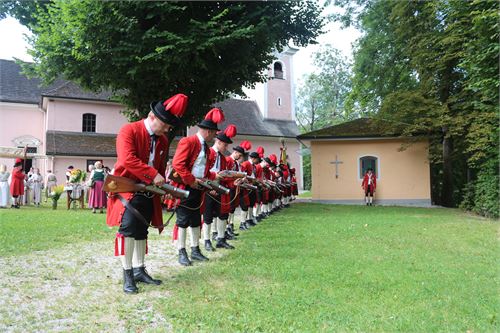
[(447, 188)]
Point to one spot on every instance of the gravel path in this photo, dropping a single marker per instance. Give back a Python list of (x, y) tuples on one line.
[(79, 288)]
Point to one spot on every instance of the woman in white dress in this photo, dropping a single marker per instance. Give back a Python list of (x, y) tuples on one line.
[(37, 185), (4, 186)]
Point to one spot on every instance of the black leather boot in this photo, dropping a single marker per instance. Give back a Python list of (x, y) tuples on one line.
[(196, 254), (208, 245), (183, 258), (129, 286), (141, 275), (222, 244)]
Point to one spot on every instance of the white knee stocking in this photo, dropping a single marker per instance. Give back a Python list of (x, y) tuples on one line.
[(128, 247)]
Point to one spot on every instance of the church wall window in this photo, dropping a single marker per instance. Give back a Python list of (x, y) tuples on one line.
[(279, 101), (367, 162), (88, 122)]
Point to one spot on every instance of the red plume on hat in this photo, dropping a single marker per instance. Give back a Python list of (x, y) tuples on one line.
[(18, 160), (176, 105), (246, 145), (260, 151), (273, 158), (230, 131), (215, 115)]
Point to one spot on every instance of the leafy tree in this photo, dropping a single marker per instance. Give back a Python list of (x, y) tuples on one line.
[(147, 50), (321, 97)]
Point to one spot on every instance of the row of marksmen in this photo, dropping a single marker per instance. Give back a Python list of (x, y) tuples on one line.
[(215, 186)]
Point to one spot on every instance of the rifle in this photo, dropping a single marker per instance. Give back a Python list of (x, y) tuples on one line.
[(274, 186), (207, 184), (232, 174), (248, 186), (119, 184), (213, 186)]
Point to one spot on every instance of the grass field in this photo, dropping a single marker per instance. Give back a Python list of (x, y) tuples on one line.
[(308, 268)]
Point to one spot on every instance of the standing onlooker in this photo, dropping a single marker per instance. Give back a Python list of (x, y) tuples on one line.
[(68, 173), (4, 186), (51, 182), (17, 183), (28, 193), (97, 195), (87, 188), (36, 180)]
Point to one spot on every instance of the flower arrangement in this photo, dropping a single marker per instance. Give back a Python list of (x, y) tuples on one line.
[(77, 176), (55, 194)]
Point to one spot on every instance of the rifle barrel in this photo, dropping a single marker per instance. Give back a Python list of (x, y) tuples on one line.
[(175, 191)]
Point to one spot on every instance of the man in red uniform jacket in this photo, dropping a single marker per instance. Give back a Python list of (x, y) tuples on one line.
[(217, 206), (255, 158), (232, 163), (17, 183), (192, 163), (141, 149), (369, 185)]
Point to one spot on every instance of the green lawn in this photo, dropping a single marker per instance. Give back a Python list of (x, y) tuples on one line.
[(308, 268)]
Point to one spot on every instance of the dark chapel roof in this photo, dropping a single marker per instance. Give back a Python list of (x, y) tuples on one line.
[(15, 87), (358, 128)]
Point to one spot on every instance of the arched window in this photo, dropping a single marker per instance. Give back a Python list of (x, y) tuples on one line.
[(279, 101), (368, 162), (278, 70), (88, 122)]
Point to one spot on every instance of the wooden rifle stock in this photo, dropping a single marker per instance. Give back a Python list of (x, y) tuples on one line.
[(119, 184), (232, 174)]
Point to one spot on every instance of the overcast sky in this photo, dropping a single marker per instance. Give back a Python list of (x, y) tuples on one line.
[(13, 44)]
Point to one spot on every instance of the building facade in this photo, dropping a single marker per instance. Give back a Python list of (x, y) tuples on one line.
[(341, 154)]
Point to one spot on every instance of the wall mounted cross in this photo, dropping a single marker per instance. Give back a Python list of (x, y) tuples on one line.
[(336, 162)]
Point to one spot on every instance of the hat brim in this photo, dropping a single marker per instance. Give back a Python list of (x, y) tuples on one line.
[(206, 125), (239, 149), (164, 116), (222, 137)]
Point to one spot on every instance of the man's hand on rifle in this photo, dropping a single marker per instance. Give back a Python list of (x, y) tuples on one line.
[(218, 176), (158, 180)]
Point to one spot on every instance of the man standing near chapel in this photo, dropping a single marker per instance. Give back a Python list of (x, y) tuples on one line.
[(141, 149)]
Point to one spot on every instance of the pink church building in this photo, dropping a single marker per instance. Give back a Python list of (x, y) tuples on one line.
[(64, 125)]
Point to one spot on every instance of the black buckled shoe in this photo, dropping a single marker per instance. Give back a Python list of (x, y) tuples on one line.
[(243, 226), (183, 258), (250, 223), (208, 245), (230, 227), (228, 235), (141, 275), (129, 286), (222, 244), (197, 255), (214, 235)]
